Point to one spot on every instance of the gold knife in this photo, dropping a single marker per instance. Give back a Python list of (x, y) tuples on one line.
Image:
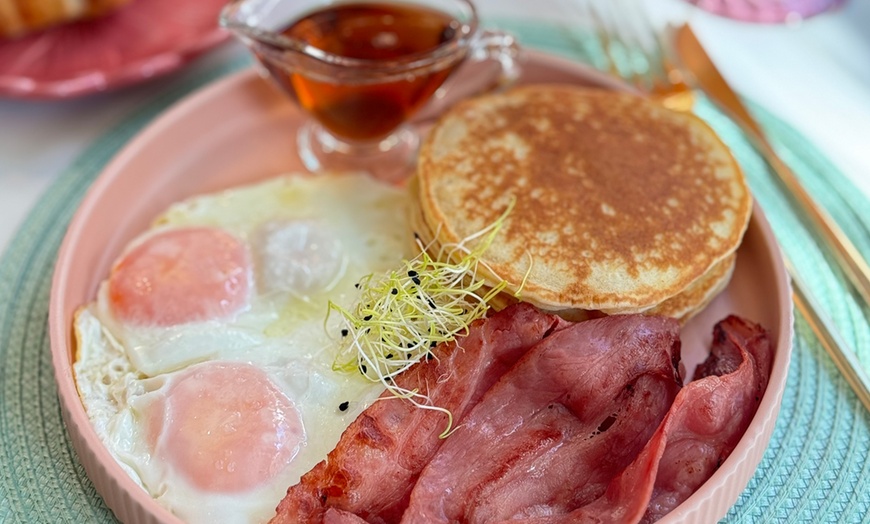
[(708, 78), (844, 358), (696, 61)]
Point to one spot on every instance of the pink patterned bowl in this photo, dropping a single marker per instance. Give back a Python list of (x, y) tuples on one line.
[(142, 40), (241, 130)]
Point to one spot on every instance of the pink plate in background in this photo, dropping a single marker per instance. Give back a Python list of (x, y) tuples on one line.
[(141, 40), (768, 11), (241, 130)]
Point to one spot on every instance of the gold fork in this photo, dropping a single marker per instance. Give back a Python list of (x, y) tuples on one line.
[(638, 53)]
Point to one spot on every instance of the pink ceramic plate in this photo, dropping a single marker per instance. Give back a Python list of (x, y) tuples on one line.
[(142, 40), (241, 130)]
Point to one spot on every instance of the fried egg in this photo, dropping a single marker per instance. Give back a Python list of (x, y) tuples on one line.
[(205, 364)]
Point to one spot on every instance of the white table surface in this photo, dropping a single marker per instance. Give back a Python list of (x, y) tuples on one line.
[(814, 74)]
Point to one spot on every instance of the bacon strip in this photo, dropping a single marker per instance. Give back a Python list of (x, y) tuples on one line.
[(712, 413), (376, 463), (556, 429), (708, 418)]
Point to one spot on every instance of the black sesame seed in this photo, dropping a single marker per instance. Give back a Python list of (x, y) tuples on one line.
[(394, 291), (412, 273), (363, 369), (389, 356), (344, 332), (415, 280), (432, 344), (356, 285), (410, 345), (343, 406), (416, 235), (431, 304), (367, 318), (409, 356)]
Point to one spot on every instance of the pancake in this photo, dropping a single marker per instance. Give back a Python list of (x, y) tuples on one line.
[(697, 296), (682, 306), (688, 300), (620, 204)]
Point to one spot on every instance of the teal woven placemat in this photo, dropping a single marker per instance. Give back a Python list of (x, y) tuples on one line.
[(816, 468)]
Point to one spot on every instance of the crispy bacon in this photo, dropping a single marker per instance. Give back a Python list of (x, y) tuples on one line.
[(376, 463), (554, 431)]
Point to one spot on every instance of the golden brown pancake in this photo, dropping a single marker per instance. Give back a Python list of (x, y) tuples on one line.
[(619, 203), (682, 306), (696, 297), (688, 300)]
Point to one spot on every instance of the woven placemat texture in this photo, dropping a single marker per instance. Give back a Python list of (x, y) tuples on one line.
[(816, 468)]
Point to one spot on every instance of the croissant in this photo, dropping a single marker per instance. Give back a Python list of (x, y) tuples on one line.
[(18, 17)]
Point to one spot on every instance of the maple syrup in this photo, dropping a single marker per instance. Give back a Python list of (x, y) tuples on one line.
[(368, 110)]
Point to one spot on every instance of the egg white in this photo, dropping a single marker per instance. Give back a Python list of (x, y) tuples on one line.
[(311, 239)]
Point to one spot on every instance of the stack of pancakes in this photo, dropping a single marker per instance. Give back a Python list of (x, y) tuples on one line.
[(620, 205)]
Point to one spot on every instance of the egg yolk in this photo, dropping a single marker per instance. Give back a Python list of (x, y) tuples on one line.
[(179, 276), (225, 427)]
